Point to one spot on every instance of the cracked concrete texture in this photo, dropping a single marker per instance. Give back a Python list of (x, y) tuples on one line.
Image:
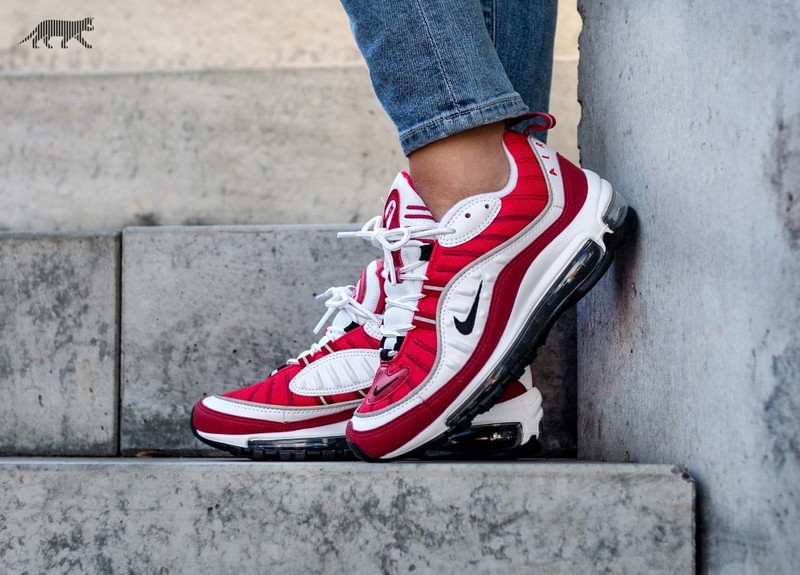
[(207, 310), (58, 344), (688, 347), (219, 517)]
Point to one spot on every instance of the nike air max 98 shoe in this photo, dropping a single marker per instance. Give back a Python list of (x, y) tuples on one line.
[(469, 299), (301, 410)]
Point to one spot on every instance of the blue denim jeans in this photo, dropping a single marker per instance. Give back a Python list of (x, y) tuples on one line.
[(440, 67)]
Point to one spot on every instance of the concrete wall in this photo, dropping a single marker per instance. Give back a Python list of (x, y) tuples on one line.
[(688, 349)]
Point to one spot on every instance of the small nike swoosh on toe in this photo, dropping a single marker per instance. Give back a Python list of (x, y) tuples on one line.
[(466, 326), (379, 390)]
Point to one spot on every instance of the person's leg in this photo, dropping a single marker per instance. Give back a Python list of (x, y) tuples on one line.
[(433, 66), (458, 166), (488, 240), (472, 162), (523, 32), (444, 72)]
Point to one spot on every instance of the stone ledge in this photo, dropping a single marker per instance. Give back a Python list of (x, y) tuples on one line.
[(59, 343), (181, 516), (182, 35), (188, 148)]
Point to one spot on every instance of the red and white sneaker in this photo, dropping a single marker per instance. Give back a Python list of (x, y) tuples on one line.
[(471, 298), (301, 410)]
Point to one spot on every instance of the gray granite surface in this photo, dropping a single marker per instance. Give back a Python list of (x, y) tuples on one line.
[(58, 343), (210, 517)]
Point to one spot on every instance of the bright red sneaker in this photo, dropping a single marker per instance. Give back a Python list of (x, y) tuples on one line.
[(471, 298), (301, 410)]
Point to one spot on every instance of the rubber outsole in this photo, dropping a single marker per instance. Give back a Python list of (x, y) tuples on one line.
[(497, 442), (494, 442), (318, 449)]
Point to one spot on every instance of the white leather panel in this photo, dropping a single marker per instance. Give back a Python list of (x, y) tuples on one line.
[(272, 413), (338, 372), (470, 219)]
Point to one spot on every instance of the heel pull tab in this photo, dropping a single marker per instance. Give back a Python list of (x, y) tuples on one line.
[(541, 122)]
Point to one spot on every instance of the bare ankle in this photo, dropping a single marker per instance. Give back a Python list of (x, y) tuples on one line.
[(462, 165)]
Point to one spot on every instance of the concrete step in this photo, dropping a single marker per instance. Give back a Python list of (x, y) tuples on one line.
[(185, 148), (59, 343), (251, 114), (183, 516), (182, 35), (229, 147), (197, 310)]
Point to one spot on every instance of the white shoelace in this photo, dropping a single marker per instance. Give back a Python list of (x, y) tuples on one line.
[(392, 240), (339, 299)]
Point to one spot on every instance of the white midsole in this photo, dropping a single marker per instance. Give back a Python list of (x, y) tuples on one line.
[(525, 409), (321, 432), (274, 414), (538, 280)]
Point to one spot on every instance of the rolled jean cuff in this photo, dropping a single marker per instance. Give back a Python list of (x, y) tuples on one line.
[(501, 108)]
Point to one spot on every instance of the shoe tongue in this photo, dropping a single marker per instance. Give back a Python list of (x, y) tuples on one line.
[(369, 288), (368, 292), (404, 207)]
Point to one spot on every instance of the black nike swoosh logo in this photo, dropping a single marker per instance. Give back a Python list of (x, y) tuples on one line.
[(379, 390), (466, 326)]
